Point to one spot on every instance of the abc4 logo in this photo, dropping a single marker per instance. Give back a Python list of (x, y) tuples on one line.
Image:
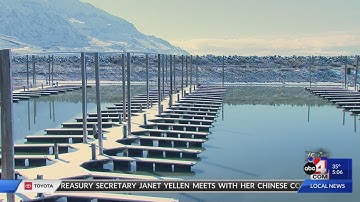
[(316, 166)]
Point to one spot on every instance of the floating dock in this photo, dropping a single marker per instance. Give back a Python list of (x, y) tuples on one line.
[(167, 142)]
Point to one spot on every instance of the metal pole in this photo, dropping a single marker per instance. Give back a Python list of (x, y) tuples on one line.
[(182, 76), (159, 102), (223, 70), (310, 71), (98, 104), (52, 70), (124, 131), (345, 74), (56, 150), (163, 77), (356, 72), (147, 81), (191, 58), (145, 121), (84, 99), (49, 70), (166, 69), (123, 86), (197, 71), (171, 88), (93, 151), (7, 140), (174, 74), (27, 72), (128, 58), (187, 72), (34, 73)]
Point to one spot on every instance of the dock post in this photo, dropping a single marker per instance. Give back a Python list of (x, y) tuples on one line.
[(151, 102), (124, 131), (56, 150), (161, 108), (84, 97), (191, 58), (182, 76), (174, 69), (163, 77), (171, 83), (49, 69), (310, 72), (120, 118), (128, 59), (98, 104), (356, 72), (159, 93), (93, 151), (141, 108), (186, 71), (147, 81), (52, 70), (345, 73), (39, 177), (42, 86), (123, 86), (145, 121), (27, 72), (223, 71), (197, 72), (7, 140), (34, 71), (178, 97), (95, 132), (24, 88), (166, 69)]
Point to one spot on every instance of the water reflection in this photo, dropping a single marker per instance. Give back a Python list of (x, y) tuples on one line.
[(28, 110), (33, 116), (355, 118), (222, 111), (275, 96)]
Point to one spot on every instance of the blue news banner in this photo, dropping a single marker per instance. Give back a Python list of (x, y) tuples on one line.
[(336, 178), (326, 176)]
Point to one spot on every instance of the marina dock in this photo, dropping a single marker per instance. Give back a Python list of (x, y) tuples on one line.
[(167, 142)]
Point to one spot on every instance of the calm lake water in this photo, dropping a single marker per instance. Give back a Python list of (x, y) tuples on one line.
[(262, 133), (266, 138)]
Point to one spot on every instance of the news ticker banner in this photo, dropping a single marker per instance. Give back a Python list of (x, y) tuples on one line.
[(327, 175), (229, 186)]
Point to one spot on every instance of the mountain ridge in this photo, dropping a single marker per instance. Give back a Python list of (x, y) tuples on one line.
[(53, 25)]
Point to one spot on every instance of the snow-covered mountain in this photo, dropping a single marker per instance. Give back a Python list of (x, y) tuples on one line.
[(71, 25)]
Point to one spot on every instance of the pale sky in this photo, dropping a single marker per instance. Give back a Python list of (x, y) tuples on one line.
[(246, 27)]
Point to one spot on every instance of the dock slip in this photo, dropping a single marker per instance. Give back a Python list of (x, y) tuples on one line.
[(26, 94), (343, 98), (166, 142)]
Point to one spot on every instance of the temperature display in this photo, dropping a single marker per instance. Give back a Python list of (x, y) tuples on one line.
[(340, 168)]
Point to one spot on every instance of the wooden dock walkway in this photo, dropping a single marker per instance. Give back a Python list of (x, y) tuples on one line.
[(148, 148)]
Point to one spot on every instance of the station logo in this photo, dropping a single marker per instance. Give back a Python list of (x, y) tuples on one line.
[(317, 165), (317, 168)]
